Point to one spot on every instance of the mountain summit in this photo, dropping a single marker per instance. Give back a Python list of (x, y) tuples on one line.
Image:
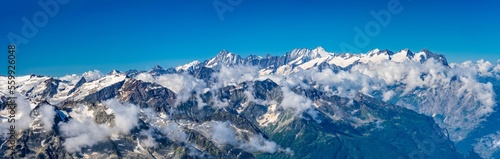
[(304, 58)]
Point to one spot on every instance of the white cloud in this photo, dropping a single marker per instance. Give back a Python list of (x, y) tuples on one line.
[(82, 131), (89, 76), (388, 95), (452, 91), (220, 104), (294, 102), (47, 115), (22, 116), (222, 133), (497, 69), (484, 68), (181, 84), (126, 115), (150, 140), (235, 75), (488, 145), (173, 132), (257, 143), (251, 98), (23, 110), (314, 114), (73, 79), (92, 75)]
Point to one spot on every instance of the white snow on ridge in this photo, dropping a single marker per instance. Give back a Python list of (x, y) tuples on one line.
[(343, 61), (313, 63), (29, 82), (94, 86), (401, 56), (187, 66)]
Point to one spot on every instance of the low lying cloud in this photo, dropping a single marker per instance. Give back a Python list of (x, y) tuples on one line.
[(92, 75), (22, 118), (235, 75), (454, 91), (150, 140), (47, 114), (257, 143), (294, 102), (23, 110), (223, 133), (488, 145), (173, 131), (181, 84), (388, 95), (82, 131), (126, 115)]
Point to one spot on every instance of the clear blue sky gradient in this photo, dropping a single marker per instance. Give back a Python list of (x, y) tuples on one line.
[(105, 34)]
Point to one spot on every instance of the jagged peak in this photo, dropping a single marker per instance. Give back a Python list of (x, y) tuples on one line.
[(426, 50), (305, 52), (157, 67), (224, 53), (157, 70), (319, 49), (389, 52), (298, 51), (114, 72), (407, 52), (303, 55), (321, 52), (188, 66), (377, 51), (224, 57)]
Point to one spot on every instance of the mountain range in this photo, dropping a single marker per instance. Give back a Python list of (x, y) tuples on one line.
[(304, 104)]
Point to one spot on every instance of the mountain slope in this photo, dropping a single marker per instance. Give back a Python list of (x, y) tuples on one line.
[(304, 104)]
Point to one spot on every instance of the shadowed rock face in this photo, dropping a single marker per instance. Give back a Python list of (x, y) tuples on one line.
[(77, 85), (147, 95), (105, 93)]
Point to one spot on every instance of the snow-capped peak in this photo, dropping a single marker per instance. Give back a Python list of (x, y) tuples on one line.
[(306, 54), (374, 51), (295, 53), (320, 52), (406, 52), (427, 54), (380, 52), (225, 58), (187, 66), (114, 72), (306, 58), (403, 55), (224, 52), (319, 49)]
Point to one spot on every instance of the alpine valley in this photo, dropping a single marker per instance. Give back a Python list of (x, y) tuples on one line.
[(304, 104)]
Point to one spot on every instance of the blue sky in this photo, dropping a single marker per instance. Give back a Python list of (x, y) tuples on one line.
[(106, 34)]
